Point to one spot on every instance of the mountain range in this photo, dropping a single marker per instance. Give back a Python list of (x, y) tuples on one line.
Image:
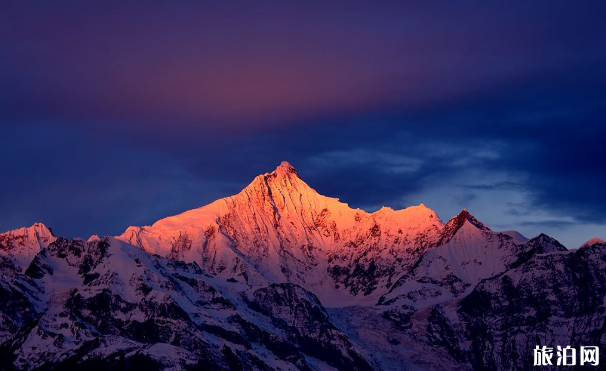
[(279, 277)]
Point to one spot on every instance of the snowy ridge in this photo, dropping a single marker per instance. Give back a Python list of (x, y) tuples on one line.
[(592, 242), (21, 245), (278, 229), (470, 252)]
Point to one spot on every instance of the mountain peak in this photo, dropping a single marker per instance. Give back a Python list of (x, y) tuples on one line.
[(452, 227), (22, 244), (93, 238), (545, 244), (593, 241), (284, 178), (36, 228), (285, 168), (465, 216)]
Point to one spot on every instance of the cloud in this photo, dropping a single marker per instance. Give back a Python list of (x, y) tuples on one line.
[(549, 223), (231, 69)]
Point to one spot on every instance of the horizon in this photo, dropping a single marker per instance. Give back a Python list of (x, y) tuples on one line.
[(445, 221), (121, 114)]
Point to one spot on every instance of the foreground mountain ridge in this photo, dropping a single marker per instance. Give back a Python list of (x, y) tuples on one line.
[(279, 277)]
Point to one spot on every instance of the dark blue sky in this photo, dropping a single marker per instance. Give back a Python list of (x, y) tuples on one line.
[(117, 114)]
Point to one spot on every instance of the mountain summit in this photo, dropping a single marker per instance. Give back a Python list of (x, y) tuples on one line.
[(279, 229), (285, 169), (455, 224), (21, 245), (592, 242)]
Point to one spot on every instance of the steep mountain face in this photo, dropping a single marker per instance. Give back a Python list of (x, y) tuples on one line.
[(550, 296), (18, 298), (279, 277), (468, 252), (21, 245), (109, 304), (278, 229), (553, 299)]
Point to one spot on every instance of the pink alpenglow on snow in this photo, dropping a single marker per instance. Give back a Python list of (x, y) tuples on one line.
[(21, 245)]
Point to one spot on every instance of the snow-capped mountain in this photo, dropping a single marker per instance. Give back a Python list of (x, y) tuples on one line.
[(592, 242), (278, 229), (467, 252), (21, 245), (553, 299), (279, 277)]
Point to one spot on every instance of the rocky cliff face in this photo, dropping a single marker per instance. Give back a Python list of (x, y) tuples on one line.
[(468, 253), (279, 277), (21, 245), (109, 304), (552, 299), (278, 229)]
